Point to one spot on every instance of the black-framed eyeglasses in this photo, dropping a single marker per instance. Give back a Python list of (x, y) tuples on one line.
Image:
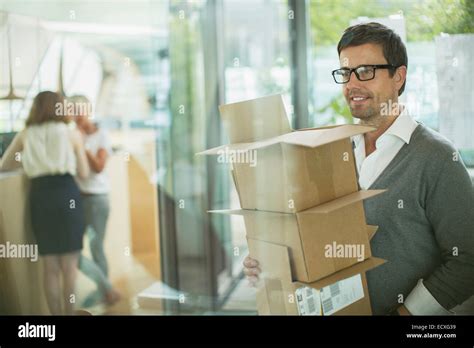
[(363, 72)]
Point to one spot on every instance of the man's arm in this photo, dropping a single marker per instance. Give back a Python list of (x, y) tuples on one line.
[(450, 209)]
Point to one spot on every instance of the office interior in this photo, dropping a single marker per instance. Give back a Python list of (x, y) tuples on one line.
[(156, 72)]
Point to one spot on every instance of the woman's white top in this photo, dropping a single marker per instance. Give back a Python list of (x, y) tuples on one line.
[(48, 150)]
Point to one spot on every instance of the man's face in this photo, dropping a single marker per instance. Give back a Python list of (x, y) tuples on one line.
[(365, 98)]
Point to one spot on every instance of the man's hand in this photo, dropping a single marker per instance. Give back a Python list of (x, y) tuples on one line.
[(251, 270)]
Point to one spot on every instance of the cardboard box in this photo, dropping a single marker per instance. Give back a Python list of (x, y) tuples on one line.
[(342, 293), (301, 202), (320, 240), (276, 169), (256, 119)]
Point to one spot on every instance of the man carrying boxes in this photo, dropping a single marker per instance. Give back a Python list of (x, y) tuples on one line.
[(426, 218), (302, 208)]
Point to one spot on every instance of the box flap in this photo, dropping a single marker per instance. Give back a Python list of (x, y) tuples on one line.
[(371, 229), (244, 212), (323, 127), (237, 187), (280, 229), (308, 138), (341, 202), (276, 285), (334, 126), (360, 267), (320, 136), (256, 119), (241, 147), (229, 147), (323, 236), (273, 259)]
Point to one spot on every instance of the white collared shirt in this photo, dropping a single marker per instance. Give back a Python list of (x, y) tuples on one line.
[(387, 146), (419, 301)]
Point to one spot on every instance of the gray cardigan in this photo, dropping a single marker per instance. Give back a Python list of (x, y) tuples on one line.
[(426, 224)]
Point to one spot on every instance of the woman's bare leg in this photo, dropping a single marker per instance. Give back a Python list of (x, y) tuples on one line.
[(52, 283), (69, 263)]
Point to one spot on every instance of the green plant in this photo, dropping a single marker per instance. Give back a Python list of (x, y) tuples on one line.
[(339, 108), (424, 19)]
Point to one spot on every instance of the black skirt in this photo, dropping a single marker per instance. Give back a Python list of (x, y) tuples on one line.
[(57, 215)]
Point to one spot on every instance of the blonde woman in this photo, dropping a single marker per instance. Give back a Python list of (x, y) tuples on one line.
[(51, 155)]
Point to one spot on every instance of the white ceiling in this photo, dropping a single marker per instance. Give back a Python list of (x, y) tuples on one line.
[(106, 12)]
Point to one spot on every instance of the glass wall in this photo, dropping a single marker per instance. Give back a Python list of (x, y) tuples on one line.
[(256, 62), (418, 23), (215, 58), (156, 71), (256, 49)]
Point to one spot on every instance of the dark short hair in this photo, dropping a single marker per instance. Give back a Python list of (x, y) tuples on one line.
[(394, 49)]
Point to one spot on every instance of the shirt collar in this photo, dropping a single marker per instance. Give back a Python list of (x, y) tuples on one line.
[(402, 127)]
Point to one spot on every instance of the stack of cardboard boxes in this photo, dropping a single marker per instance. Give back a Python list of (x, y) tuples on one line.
[(302, 208)]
